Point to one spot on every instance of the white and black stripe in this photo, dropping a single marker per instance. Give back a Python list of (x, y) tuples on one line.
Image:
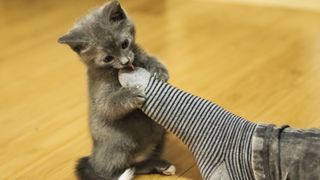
[(211, 133)]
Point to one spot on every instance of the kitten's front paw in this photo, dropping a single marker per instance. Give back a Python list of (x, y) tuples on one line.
[(160, 73), (136, 97)]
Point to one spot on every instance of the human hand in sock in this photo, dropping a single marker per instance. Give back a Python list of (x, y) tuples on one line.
[(137, 78), (215, 136)]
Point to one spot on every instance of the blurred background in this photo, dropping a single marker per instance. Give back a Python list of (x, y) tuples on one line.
[(257, 58)]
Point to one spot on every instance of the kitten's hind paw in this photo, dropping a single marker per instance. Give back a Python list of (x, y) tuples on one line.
[(170, 171), (127, 174)]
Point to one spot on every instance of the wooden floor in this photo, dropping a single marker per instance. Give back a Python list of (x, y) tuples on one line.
[(261, 62)]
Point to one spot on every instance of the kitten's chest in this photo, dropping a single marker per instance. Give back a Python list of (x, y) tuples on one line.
[(103, 83), (103, 89)]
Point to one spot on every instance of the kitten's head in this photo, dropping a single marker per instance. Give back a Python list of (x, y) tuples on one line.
[(103, 38)]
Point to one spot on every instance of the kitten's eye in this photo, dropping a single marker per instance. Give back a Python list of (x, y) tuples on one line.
[(125, 44), (108, 59)]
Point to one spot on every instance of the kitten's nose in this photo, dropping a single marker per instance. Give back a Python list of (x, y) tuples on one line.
[(124, 61)]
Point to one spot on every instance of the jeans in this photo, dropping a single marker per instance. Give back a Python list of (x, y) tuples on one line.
[(282, 153)]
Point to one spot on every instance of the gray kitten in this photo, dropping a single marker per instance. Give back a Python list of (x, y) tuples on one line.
[(124, 138)]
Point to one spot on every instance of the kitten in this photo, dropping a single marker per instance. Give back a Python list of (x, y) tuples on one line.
[(124, 138)]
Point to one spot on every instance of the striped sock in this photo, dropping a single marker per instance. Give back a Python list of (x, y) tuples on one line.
[(211, 133)]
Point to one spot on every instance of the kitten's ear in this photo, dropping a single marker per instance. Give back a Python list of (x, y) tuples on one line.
[(114, 12), (75, 40)]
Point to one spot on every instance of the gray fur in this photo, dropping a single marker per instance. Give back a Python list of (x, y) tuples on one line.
[(123, 136)]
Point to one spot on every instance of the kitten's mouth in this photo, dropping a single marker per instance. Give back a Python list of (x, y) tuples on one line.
[(130, 65)]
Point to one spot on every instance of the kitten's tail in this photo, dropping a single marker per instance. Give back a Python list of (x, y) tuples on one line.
[(84, 170)]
